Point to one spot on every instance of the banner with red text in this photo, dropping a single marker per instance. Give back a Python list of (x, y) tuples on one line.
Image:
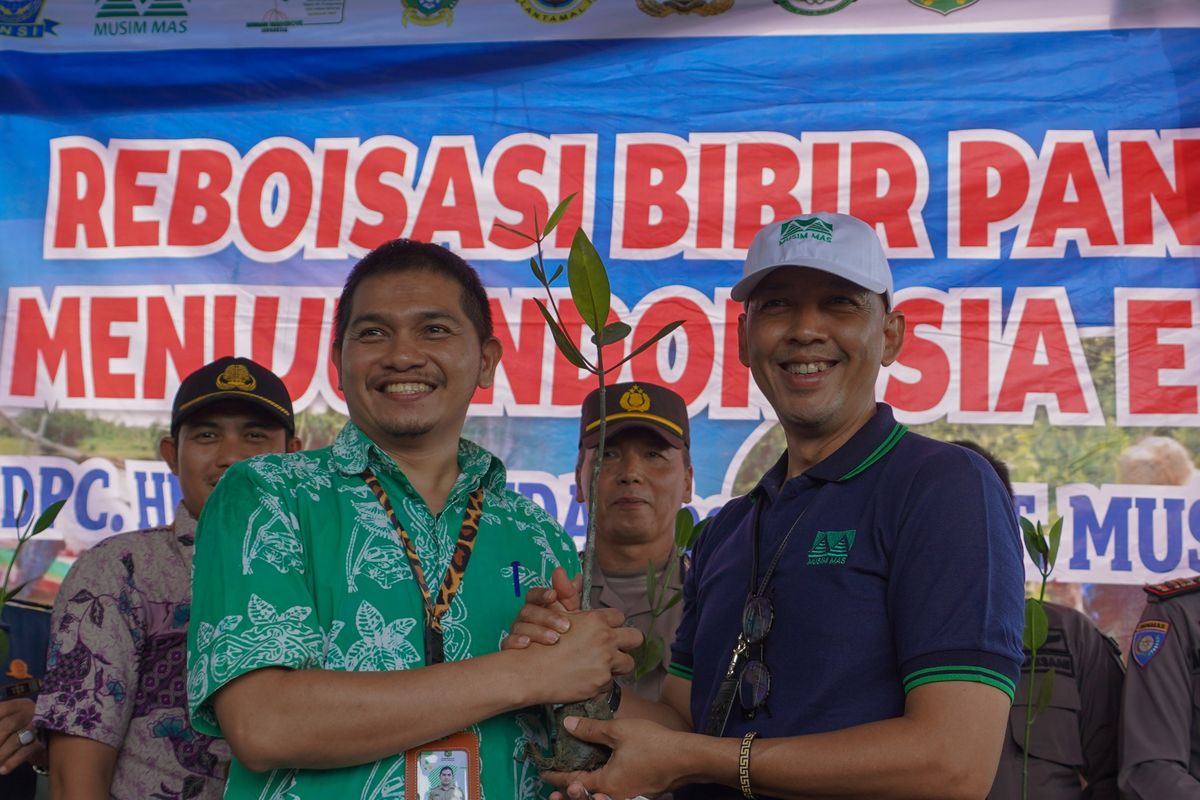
[(178, 187)]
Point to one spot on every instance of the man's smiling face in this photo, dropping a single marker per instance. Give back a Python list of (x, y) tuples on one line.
[(216, 437), (814, 343), (411, 359)]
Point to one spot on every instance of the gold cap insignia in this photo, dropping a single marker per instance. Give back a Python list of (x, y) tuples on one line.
[(635, 399), (236, 376)]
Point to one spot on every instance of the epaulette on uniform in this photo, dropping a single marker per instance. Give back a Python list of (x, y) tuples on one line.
[(1173, 588)]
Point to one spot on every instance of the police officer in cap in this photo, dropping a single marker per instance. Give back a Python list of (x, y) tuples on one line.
[(645, 477), (1160, 713)]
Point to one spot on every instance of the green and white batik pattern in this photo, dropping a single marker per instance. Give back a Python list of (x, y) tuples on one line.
[(297, 566)]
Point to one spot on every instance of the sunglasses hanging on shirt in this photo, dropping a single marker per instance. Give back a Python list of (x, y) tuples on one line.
[(749, 681)]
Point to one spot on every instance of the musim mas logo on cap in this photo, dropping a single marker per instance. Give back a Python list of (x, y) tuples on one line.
[(1147, 640), (806, 228), (635, 399), (236, 377)]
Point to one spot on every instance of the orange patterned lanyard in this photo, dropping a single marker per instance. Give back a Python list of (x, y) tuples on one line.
[(434, 641)]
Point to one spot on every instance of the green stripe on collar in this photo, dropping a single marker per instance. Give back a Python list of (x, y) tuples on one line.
[(884, 448)]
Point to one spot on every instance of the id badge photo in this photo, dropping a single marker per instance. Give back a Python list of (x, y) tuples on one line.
[(447, 769)]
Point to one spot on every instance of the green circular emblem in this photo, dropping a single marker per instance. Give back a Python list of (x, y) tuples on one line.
[(813, 8)]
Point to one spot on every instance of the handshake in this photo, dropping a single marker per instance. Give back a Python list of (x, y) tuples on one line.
[(574, 654)]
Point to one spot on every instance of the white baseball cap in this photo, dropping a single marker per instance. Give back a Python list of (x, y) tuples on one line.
[(839, 244)]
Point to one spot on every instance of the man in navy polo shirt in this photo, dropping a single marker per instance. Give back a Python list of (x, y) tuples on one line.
[(852, 626)]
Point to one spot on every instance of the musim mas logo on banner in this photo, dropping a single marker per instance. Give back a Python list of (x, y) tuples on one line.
[(127, 17)]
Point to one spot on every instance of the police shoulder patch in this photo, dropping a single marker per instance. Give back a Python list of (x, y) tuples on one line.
[(1174, 588), (1148, 637)]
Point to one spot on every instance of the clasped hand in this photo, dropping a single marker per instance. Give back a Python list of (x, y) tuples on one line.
[(577, 652)]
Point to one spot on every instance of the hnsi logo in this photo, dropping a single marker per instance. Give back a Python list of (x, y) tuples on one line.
[(20, 18), (130, 17)]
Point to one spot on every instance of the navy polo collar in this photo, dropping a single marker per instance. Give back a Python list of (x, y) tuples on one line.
[(864, 449)]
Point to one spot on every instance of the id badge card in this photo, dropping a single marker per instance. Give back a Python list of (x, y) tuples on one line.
[(447, 769)]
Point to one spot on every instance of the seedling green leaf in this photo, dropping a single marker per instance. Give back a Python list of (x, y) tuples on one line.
[(522, 234), (666, 330), (649, 655), (1055, 541), (564, 343), (1045, 691), (9, 595), (48, 516), (1034, 635), (557, 214), (684, 524), (613, 332), (537, 271), (21, 508), (589, 282)]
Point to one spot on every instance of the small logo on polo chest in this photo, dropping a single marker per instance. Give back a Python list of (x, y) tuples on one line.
[(831, 547)]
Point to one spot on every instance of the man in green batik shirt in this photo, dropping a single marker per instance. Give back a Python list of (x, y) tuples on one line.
[(315, 647)]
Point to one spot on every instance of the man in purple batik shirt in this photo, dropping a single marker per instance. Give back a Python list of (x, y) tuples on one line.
[(113, 706)]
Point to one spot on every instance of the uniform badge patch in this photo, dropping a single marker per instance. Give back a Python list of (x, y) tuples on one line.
[(1147, 640)]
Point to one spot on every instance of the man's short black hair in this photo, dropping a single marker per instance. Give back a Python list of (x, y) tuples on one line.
[(406, 255), (998, 465)]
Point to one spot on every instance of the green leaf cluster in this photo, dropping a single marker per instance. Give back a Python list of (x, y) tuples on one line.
[(1042, 545), (591, 294), (649, 654), (44, 521)]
